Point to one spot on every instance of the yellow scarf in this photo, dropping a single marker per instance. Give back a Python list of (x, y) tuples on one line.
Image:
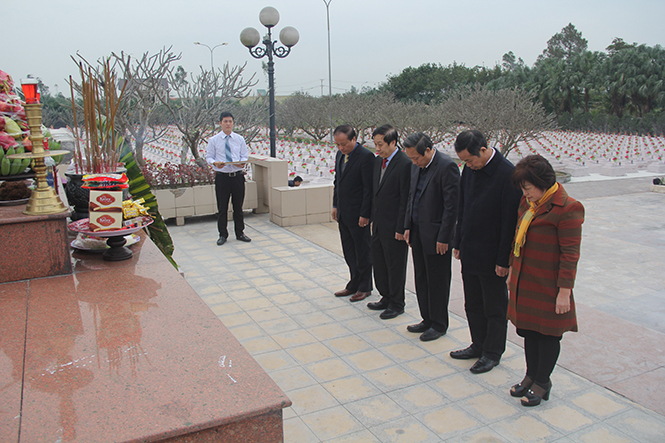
[(528, 216)]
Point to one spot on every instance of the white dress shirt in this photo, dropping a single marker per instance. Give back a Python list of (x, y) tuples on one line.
[(217, 151)]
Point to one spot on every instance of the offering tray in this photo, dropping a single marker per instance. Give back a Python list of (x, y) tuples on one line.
[(116, 239)]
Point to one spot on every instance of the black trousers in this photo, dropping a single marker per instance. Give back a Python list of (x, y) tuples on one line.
[(356, 248), (389, 257), (486, 306), (230, 185), (541, 353), (432, 278)]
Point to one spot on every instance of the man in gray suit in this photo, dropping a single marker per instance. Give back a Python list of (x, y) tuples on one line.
[(430, 223)]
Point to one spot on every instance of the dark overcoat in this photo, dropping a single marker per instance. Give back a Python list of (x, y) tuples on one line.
[(547, 262)]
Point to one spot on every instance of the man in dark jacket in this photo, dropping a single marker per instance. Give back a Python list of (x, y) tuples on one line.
[(392, 174), (485, 229), (352, 206), (431, 212)]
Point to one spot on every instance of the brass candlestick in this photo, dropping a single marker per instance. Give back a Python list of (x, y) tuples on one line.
[(43, 199)]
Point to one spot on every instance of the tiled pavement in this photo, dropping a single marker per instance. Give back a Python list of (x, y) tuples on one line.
[(355, 378)]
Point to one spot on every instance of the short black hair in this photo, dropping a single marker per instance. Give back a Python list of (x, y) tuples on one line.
[(471, 140), (297, 178), (388, 132), (226, 114), (536, 170), (346, 130), (420, 141)]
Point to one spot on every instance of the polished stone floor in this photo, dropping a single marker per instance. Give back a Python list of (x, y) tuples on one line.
[(355, 378)]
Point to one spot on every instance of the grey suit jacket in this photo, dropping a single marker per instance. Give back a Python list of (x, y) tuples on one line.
[(437, 208)]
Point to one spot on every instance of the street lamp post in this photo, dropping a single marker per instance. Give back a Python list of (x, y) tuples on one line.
[(250, 37), (212, 66), (327, 3)]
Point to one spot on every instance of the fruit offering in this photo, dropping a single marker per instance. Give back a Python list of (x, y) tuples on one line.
[(13, 129)]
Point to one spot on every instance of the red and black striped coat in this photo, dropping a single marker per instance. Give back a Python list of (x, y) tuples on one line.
[(547, 262)]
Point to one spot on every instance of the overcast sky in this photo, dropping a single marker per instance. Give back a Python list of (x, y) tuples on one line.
[(370, 39)]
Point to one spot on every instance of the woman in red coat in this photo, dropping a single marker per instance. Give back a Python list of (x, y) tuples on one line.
[(542, 273)]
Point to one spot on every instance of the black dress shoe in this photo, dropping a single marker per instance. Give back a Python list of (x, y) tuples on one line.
[(485, 364), (431, 334), (378, 306), (244, 238), (420, 327), (390, 313), (221, 240), (466, 354)]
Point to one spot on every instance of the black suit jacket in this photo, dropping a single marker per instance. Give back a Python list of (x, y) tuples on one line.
[(391, 195), (437, 208), (352, 194), (487, 216)]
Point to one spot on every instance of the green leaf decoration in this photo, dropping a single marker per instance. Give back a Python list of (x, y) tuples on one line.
[(139, 188)]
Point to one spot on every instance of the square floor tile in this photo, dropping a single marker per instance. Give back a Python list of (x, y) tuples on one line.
[(311, 353), (296, 431), (376, 410), (418, 398), (600, 405), (600, 433), (351, 389), (456, 387), (286, 299), (403, 351), (293, 378), (369, 360), (391, 378), (406, 430), (328, 370), (294, 337), (351, 344), (311, 399), (564, 418), (332, 423), (490, 407), (429, 368), (525, 429), (329, 331), (448, 421), (275, 360)]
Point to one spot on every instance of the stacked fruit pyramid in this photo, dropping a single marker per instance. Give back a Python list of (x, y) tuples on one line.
[(13, 129)]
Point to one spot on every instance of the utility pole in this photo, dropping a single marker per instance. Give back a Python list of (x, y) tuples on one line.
[(327, 3)]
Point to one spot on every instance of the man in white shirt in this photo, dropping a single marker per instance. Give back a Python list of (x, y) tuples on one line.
[(224, 151)]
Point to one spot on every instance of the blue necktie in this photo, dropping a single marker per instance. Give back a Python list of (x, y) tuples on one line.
[(229, 158)]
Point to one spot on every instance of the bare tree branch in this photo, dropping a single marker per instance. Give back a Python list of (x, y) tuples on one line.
[(146, 79), (199, 102)]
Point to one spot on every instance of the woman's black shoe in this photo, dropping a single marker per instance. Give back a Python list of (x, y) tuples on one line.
[(522, 387), (537, 393)]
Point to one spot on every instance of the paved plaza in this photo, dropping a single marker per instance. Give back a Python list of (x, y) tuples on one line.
[(355, 378)]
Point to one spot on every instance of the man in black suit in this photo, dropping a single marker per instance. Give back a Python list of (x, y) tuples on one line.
[(392, 174), (352, 206), (485, 229), (430, 223)]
